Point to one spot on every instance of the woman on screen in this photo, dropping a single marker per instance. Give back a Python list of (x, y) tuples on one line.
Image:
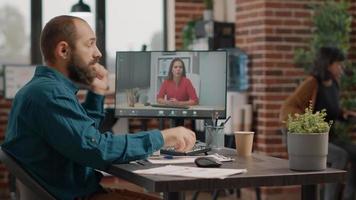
[(177, 89)]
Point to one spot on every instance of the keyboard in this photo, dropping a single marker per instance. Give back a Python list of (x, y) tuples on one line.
[(170, 106), (198, 148)]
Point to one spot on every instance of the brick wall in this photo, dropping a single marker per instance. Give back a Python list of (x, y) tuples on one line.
[(270, 31), (5, 106), (185, 11), (352, 51)]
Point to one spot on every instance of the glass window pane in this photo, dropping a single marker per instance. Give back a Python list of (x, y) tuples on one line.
[(62, 7), (132, 24), (15, 31)]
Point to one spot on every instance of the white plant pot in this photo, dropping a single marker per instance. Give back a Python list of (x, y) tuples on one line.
[(307, 152)]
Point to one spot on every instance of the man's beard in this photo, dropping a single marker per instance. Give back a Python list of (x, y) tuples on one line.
[(79, 72)]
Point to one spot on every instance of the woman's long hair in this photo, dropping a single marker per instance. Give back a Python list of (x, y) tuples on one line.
[(324, 58), (170, 73)]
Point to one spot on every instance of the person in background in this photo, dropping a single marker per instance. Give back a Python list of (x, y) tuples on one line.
[(56, 138), (177, 89), (321, 89)]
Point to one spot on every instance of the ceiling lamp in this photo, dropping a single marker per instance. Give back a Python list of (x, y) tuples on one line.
[(80, 7), (83, 11)]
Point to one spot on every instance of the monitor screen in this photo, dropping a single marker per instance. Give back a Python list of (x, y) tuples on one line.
[(189, 84), (15, 77)]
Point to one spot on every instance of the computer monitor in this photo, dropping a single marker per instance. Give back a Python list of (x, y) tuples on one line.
[(15, 77), (145, 88)]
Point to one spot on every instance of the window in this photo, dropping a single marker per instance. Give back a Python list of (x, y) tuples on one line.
[(130, 25), (62, 7), (15, 31)]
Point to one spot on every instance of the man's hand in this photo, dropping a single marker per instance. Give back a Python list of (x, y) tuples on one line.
[(182, 139), (100, 82)]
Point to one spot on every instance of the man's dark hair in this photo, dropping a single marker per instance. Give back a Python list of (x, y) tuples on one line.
[(170, 73), (61, 28), (324, 58)]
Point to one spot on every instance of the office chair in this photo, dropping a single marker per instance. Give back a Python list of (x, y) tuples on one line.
[(28, 188)]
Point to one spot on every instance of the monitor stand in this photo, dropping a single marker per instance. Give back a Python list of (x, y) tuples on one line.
[(109, 120), (174, 123), (177, 122), (200, 135)]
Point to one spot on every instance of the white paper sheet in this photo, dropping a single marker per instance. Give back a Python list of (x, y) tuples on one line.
[(195, 172)]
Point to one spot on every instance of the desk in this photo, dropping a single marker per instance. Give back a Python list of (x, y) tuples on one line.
[(262, 171)]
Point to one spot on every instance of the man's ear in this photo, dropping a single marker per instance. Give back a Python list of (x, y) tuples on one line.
[(62, 50)]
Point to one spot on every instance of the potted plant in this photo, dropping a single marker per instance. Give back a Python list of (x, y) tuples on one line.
[(332, 27), (307, 140), (188, 34)]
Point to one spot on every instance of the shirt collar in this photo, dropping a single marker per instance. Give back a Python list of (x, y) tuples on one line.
[(53, 73)]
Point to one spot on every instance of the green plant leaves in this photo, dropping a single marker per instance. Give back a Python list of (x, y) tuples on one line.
[(308, 123), (188, 34), (332, 27)]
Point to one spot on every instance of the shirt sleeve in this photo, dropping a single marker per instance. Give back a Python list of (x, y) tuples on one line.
[(162, 90), (191, 91), (94, 106), (70, 131)]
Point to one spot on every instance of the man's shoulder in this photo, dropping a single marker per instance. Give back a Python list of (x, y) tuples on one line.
[(42, 89)]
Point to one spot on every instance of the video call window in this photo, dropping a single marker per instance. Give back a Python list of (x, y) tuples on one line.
[(189, 84)]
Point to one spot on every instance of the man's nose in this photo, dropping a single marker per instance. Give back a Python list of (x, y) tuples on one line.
[(97, 53)]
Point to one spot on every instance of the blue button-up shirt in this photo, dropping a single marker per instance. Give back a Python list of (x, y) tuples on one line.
[(57, 139)]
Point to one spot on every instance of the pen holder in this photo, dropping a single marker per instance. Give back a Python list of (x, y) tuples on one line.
[(214, 136)]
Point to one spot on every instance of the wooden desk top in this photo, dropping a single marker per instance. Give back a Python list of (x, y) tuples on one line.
[(262, 171)]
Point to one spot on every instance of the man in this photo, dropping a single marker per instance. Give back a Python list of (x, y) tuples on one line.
[(55, 137)]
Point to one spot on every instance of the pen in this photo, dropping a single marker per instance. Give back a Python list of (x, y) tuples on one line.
[(223, 123), (212, 119), (215, 119)]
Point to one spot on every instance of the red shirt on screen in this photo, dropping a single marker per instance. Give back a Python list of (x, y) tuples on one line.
[(184, 91)]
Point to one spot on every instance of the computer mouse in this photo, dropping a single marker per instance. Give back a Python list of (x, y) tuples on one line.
[(207, 162)]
